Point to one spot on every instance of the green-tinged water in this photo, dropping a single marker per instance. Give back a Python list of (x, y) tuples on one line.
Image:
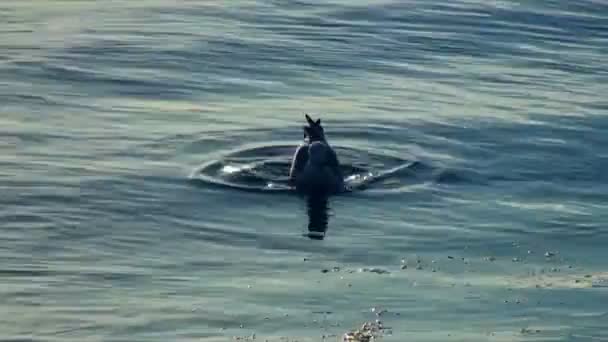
[(129, 210)]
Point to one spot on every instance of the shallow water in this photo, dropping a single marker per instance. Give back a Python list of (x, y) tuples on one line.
[(108, 108)]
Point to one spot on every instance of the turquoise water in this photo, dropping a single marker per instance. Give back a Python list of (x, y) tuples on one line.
[(111, 109)]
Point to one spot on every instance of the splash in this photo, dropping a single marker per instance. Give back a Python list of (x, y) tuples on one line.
[(265, 168)]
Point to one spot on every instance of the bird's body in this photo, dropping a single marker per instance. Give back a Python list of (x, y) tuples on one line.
[(315, 168)]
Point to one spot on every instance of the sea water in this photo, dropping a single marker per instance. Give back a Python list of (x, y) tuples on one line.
[(495, 229)]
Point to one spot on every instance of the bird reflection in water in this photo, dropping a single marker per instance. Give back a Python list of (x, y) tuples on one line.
[(318, 216)]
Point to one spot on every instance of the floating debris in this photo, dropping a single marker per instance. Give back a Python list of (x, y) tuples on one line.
[(450, 257), (379, 271), (369, 331), (549, 254), (379, 312), (252, 337), (323, 312), (403, 267), (374, 270), (526, 331), (600, 283)]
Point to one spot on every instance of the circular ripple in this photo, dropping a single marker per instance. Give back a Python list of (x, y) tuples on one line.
[(266, 168)]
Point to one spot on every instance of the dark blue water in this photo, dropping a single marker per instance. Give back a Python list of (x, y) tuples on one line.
[(117, 222)]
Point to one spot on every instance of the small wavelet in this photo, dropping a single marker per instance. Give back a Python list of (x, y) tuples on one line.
[(265, 168)]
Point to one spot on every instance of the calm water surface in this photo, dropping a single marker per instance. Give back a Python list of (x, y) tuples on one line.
[(108, 108)]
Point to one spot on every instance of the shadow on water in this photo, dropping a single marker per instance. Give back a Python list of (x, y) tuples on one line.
[(318, 216)]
